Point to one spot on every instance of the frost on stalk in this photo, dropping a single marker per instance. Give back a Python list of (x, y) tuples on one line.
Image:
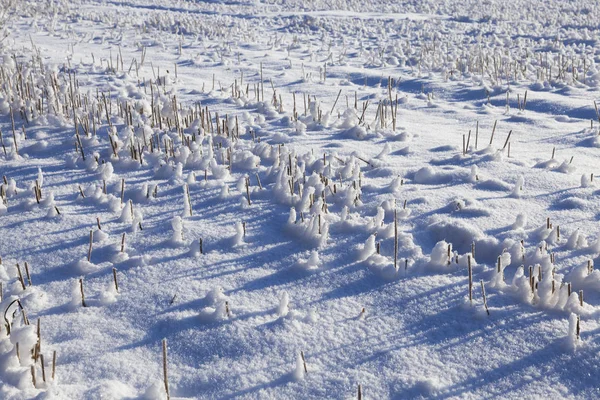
[(191, 179), (75, 295), (387, 149), (377, 221), (238, 238), (99, 236), (368, 249), (313, 260), (217, 306), (474, 177), (26, 337), (40, 178), (105, 171), (585, 276), (573, 336), (586, 181), (344, 214), (553, 236), (127, 213), (224, 192), (497, 280), (573, 304), (566, 167), (292, 217), (218, 171), (3, 274), (108, 295), (518, 190), (187, 211), (577, 241), (177, 176), (283, 308), (195, 248), (595, 247), (298, 373), (177, 225), (156, 391), (85, 267), (520, 222), (439, 255), (309, 264), (137, 219), (521, 285)]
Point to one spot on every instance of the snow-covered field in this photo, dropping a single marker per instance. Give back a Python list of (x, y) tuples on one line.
[(294, 200)]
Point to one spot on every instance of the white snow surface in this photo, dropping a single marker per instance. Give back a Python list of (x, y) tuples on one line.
[(291, 195)]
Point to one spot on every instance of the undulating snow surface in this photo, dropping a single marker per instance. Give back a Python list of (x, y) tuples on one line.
[(290, 197)]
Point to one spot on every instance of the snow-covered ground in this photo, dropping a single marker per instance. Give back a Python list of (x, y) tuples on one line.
[(290, 198)]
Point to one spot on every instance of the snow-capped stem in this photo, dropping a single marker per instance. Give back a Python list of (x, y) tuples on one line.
[(165, 374), (468, 142), (98, 222), (493, 131), (507, 139), (114, 271), (360, 396), (499, 267), (82, 294), (319, 223), (395, 239), (53, 364), (122, 189), (484, 298), (43, 368), (20, 276), (39, 333), (470, 279), (33, 375), (336, 100), (89, 255), (123, 242), (260, 184), (303, 362), (27, 273), (248, 190)]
